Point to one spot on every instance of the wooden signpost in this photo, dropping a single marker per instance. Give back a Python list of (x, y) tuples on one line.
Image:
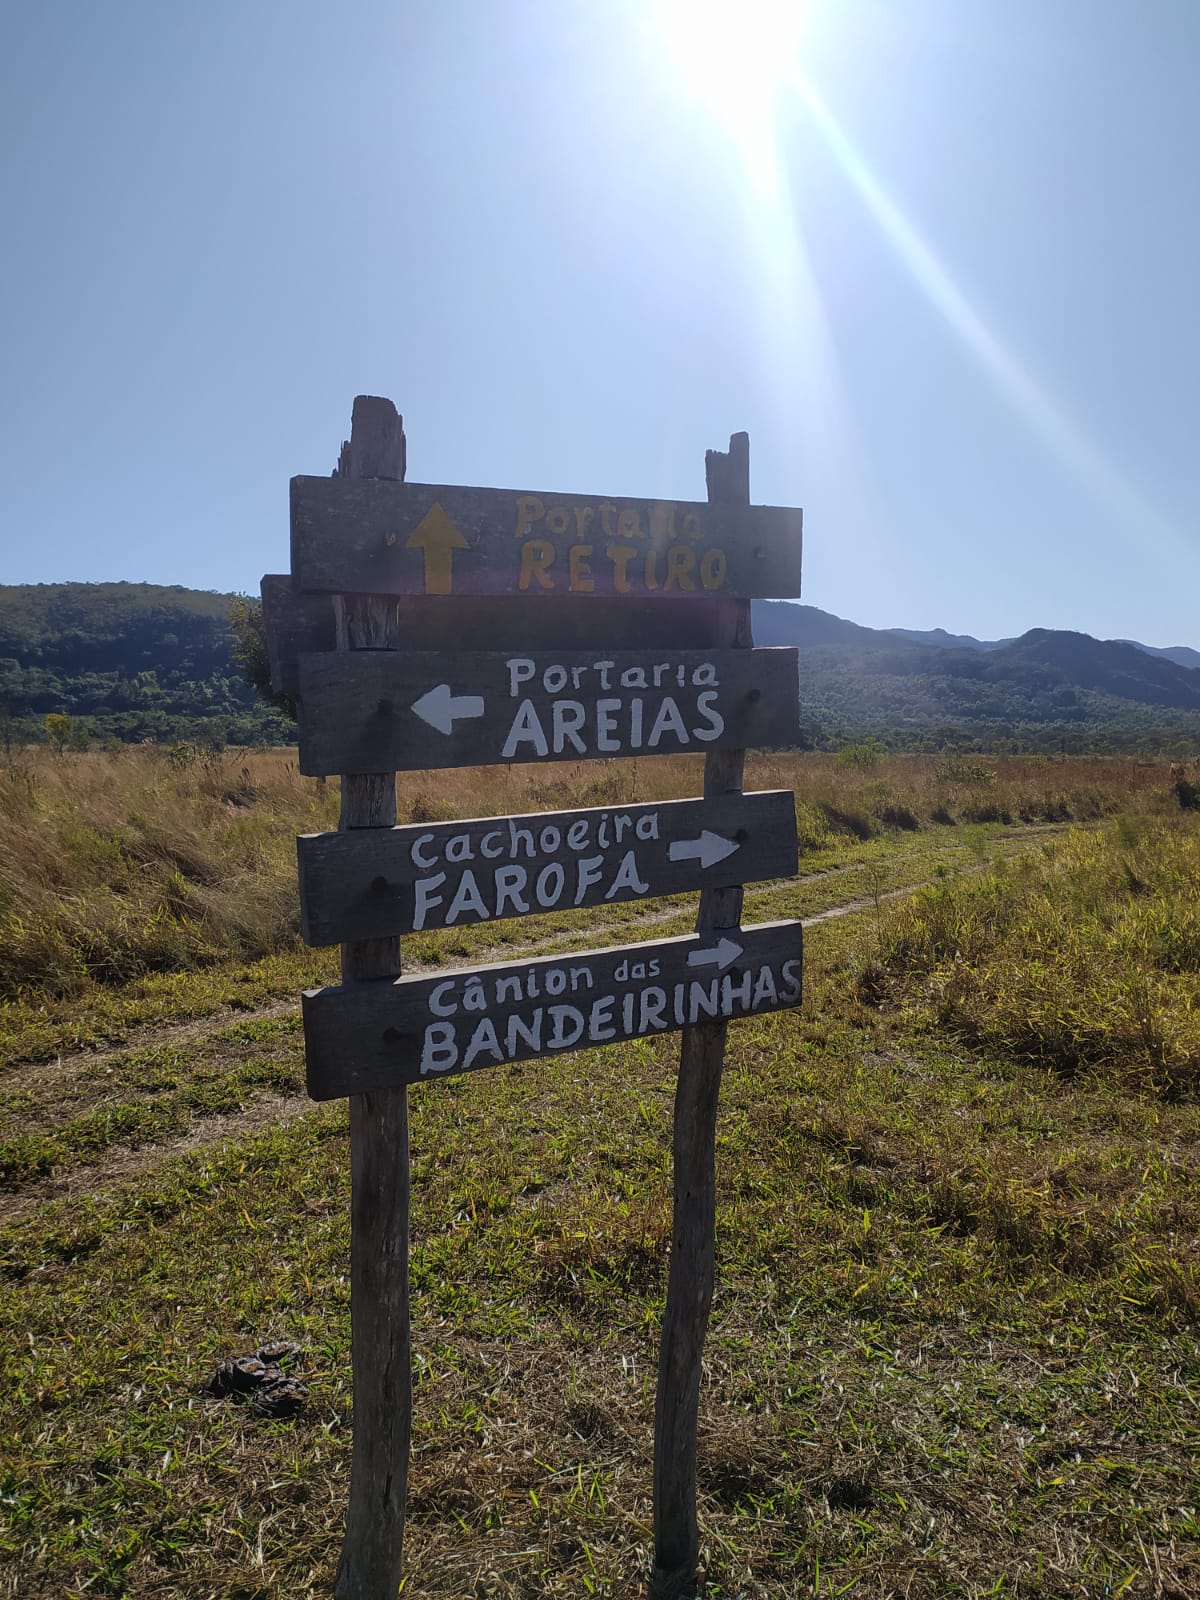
[(419, 711), (376, 1036), (449, 874), (554, 590), (420, 539)]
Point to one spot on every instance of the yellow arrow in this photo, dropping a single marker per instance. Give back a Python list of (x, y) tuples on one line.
[(437, 536)]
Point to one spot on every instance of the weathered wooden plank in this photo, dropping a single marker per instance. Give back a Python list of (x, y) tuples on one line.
[(303, 623), (293, 622), (450, 874), (366, 712), (381, 1350), (694, 1131), (371, 1036), (439, 539)]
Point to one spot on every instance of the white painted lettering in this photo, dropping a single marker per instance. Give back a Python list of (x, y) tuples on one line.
[(467, 898), (668, 718), (519, 839), (526, 728), (438, 1006), (599, 1019), (569, 717), (510, 883), (527, 1033), (520, 670), (439, 1052), (425, 898), (702, 998), (484, 1038), (563, 1018), (418, 859), (705, 705), (606, 725), (588, 872), (627, 878), (728, 992), (764, 988), (650, 1009), (550, 883)]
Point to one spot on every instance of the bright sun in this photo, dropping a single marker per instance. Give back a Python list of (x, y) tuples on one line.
[(734, 55)]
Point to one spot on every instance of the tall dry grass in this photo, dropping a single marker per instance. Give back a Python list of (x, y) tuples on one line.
[(145, 859), (140, 860), (1083, 956)]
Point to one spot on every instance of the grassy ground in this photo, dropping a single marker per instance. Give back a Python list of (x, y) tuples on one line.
[(954, 1345)]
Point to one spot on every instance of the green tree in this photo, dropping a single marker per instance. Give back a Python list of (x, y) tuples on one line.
[(250, 650), (58, 730)]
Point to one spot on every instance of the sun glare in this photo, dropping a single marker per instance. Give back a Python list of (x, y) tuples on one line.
[(734, 59)]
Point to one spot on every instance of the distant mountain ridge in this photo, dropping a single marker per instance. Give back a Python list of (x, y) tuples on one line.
[(1181, 654), (138, 661), (1050, 688)]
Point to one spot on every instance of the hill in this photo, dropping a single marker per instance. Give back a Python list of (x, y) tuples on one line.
[(129, 661), (141, 661), (1049, 689)]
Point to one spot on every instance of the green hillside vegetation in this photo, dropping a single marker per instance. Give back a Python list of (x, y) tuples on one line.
[(136, 661), (129, 661), (1047, 690)]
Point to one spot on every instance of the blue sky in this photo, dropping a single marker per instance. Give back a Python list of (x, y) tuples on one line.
[(941, 259)]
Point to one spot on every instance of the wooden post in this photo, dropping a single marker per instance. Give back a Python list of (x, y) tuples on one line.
[(693, 1247), (381, 1355)]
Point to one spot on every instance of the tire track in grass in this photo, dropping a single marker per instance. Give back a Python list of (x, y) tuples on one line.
[(120, 1162), (32, 1075)]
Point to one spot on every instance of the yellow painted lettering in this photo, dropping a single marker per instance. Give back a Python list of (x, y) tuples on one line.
[(558, 519), (536, 556), (681, 567), (712, 568), (529, 511), (652, 569), (580, 580), (607, 512), (583, 515), (628, 525), (691, 525), (621, 555), (662, 522)]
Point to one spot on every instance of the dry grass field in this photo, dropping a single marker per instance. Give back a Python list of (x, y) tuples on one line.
[(954, 1346)]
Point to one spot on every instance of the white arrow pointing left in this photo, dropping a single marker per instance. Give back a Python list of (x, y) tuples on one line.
[(440, 709), (721, 956), (708, 849)]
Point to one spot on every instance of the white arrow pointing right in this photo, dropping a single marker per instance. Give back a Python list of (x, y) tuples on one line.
[(722, 956), (439, 708), (708, 849)]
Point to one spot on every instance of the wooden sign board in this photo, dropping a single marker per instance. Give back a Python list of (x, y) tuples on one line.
[(299, 624), (383, 711), (376, 536), (370, 883), (367, 1036)]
